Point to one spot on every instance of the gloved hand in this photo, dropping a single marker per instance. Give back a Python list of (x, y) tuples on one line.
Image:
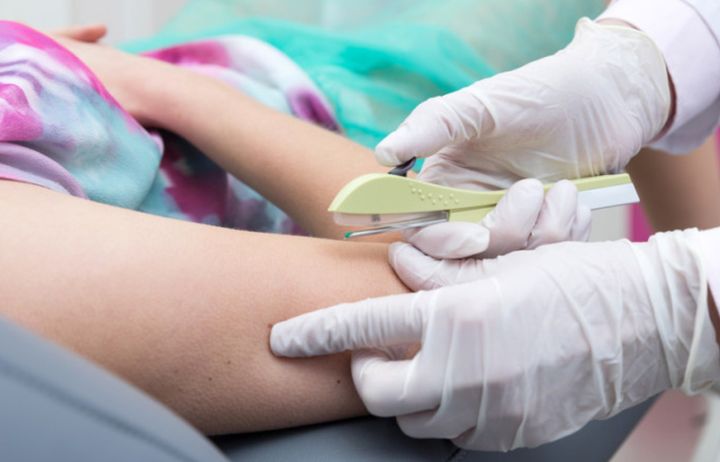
[(525, 348), (525, 218), (584, 111)]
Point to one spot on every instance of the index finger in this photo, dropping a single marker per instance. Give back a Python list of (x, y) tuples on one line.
[(372, 323)]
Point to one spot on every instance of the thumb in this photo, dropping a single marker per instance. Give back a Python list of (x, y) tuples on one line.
[(436, 123), (421, 272), (454, 239), (513, 220), (506, 228), (89, 33), (381, 382)]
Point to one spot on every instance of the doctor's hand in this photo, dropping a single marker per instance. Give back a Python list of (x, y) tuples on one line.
[(584, 111), (525, 218), (526, 348)]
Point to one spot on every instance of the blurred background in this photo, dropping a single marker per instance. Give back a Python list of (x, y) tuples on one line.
[(132, 19), (127, 19), (677, 428)]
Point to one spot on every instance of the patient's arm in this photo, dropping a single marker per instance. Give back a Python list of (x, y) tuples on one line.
[(679, 192), (296, 165), (184, 310)]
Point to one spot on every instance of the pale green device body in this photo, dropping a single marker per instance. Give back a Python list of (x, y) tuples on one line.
[(381, 194)]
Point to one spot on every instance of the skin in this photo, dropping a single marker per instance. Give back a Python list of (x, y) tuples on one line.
[(184, 310), (274, 153), (679, 192), (197, 340)]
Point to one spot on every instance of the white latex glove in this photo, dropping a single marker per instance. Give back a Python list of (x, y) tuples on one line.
[(525, 348), (584, 111), (526, 217)]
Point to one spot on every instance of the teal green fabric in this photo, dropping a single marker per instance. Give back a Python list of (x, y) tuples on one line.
[(376, 60)]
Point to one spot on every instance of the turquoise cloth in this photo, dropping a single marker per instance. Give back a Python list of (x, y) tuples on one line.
[(376, 60)]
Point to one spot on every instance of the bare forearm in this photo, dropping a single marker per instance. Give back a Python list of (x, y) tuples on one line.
[(296, 165), (184, 310), (679, 192)]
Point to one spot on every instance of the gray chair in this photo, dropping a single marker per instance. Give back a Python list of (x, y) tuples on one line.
[(56, 406), (371, 439)]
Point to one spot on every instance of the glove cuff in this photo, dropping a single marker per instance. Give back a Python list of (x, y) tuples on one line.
[(680, 31), (703, 369), (631, 59), (676, 280)]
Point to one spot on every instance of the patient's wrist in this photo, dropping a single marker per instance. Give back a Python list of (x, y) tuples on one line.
[(167, 96), (186, 102)]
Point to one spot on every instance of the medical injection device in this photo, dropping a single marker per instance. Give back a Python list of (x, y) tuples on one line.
[(382, 203)]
